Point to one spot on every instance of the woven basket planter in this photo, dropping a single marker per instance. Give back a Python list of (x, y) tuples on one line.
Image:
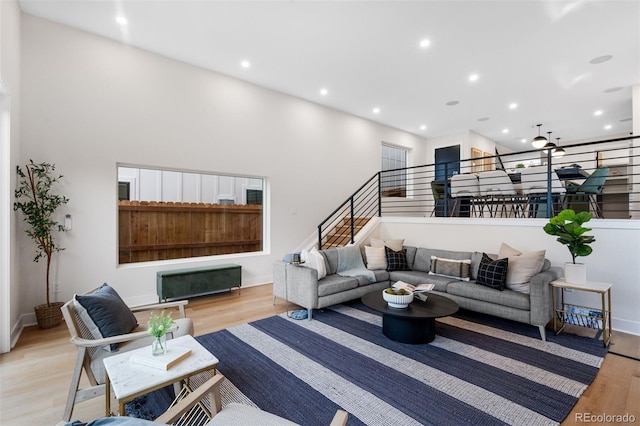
[(49, 316)]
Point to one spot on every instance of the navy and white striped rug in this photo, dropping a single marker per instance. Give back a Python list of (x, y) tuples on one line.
[(478, 370)]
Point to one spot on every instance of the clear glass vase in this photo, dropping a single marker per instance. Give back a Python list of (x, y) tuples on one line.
[(159, 345)]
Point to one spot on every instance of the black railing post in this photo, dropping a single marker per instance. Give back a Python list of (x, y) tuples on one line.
[(352, 220), (446, 189), (319, 237), (549, 189), (379, 194)]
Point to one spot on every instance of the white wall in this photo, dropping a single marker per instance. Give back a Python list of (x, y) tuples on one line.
[(90, 103), (10, 308), (614, 259)]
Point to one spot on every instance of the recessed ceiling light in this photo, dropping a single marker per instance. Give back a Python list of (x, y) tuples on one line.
[(423, 127), (601, 59), (613, 89), (608, 127), (505, 131), (598, 112), (452, 103), (483, 119), (523, 140), (324, 92), (424, 43), (245, 64), (513, 105), (376, 110), (121, 20), (473, 77)]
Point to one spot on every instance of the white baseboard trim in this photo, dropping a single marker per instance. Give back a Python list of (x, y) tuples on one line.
[(625, 326), (25, 320)]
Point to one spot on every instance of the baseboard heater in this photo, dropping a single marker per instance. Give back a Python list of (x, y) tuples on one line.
[(192, 282)]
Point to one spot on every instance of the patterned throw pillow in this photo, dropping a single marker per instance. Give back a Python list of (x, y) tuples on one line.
[(396, 260), (451, 268), (492, 273)]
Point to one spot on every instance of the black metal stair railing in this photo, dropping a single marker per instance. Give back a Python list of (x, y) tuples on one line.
[(425, 190), (341, 226)]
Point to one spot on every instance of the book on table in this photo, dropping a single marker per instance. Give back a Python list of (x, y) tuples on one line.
[(419, 288), (174, 355)]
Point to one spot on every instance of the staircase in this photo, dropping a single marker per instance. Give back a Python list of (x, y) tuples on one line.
[(340, 236)]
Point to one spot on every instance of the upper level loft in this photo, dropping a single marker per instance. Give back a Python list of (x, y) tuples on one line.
[(602, 177)]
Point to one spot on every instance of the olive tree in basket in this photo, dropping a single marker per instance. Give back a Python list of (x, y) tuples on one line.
[(38, 202)]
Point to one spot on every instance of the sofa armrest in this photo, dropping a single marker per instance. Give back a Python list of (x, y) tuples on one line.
[(298, 284), (540, 295)]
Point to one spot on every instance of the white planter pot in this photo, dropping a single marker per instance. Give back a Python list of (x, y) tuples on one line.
[(575, 273)]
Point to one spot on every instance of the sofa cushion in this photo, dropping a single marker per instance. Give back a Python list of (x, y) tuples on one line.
[(380, 274), (375, 257), (333, 283), (475, 291), (458, 269), (331, 258), (418, 277), (396, 260), (411, 255), (492, 273), (423, 257)]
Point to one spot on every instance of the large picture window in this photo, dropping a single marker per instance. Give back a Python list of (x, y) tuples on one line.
[(394, 182), (169, 214)]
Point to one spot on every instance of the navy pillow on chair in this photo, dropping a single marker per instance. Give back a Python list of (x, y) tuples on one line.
[(492, 273), (109, 313), (396, 260)]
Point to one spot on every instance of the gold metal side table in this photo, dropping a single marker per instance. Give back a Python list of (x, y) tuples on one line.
[(583, 316)]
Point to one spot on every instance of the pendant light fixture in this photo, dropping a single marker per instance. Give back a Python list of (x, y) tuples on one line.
[(539, 141), (549, 145), (559, 151)]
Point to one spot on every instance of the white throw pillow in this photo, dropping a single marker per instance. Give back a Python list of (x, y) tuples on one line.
[(395, 245), (522, 266), (314, 259), (376, 257)]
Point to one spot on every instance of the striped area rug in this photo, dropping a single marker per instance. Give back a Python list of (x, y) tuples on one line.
[(478, 370)]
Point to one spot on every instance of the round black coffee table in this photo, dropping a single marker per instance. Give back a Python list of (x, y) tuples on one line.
[(415, 323)]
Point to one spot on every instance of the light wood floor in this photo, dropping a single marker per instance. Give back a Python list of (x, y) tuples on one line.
[(35, 375)]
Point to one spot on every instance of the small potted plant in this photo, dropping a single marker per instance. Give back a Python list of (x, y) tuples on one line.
[(567, 226), (38, 203)]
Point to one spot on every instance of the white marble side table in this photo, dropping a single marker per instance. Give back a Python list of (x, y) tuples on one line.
[(130, 380)]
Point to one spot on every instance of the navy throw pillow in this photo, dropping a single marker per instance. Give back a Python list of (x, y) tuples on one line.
[(396, 260), (492, 273), (108, 311)]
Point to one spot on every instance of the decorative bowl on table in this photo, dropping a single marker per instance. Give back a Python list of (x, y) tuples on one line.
[(397, 298)]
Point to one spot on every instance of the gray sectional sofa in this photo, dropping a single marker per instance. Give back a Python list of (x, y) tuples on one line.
[(300, 285)]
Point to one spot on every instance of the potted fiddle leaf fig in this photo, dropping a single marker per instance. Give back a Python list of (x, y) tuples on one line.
[(38, 202), (567, 226)]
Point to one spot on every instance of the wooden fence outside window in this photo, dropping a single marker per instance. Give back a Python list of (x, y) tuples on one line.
[(151, 230)]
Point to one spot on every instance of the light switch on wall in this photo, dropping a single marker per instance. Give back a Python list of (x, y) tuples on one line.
[(67, 222)]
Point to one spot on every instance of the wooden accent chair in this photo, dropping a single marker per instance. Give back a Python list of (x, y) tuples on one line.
[(185, 410), (91, 352)]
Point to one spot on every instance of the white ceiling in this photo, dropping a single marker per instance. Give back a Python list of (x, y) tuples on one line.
[(367, 54)]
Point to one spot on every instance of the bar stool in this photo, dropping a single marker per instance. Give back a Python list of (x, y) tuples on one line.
[(534, 189), (496, 189), (464, 186)]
